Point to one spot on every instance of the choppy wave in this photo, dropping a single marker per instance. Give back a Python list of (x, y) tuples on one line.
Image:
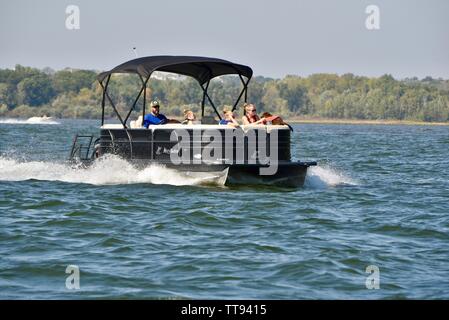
[(33, 120), (366, 203), (326, 176), (110, 170)]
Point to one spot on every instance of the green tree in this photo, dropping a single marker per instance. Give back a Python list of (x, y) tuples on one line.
[(36, 90), (291, 89), (8, 95), (72, 80)]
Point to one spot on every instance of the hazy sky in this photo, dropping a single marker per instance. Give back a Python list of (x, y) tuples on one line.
[(274, 37)]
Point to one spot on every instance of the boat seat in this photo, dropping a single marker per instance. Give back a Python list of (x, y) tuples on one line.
[(208, 120), (136, 123)]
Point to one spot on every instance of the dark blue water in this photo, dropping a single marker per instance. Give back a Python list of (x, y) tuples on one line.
[(380, 196)]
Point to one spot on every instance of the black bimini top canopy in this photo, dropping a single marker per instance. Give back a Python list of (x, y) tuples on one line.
[(201, 68)]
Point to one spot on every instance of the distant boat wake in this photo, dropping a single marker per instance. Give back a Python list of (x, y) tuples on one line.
[(112, 170), (32, 120)]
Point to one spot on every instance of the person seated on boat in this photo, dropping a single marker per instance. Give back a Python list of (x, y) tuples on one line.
[(275, 120), (228, 118), (189, 117), (250, 115), (154, 118), (272, 119)]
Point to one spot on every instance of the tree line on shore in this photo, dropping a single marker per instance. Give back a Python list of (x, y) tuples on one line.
[(69, 93)]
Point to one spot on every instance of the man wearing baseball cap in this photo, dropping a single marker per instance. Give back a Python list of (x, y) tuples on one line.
[(154, 117)]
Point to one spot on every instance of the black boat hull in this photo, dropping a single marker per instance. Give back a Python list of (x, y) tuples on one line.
[(241, 156), (288, 174)]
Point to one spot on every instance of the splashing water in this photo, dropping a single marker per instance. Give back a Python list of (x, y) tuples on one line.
[(110, 170), (113, 170), (326, 176)]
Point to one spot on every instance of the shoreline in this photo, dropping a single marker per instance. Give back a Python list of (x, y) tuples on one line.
[(363, 122), (300, 120)]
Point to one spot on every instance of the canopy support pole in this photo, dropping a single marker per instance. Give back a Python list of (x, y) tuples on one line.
[(246, 87), (103, 99), (143, 88), (204, 98), (145, 97), (244, 90), (210, 101), (113, 105)]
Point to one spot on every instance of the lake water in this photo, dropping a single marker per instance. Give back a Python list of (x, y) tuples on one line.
[(379, 197)]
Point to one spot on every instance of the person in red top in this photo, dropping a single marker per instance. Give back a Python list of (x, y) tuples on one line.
[(251, 116)]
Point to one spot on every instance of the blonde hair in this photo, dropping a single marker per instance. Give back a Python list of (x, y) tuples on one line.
[(246, 105), (186, 114)]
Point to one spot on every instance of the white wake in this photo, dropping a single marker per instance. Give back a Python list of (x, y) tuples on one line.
[(110, 170), (326, 176)]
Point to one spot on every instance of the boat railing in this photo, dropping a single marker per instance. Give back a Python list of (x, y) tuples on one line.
[(81, 147), (118, 145), (157, 143)]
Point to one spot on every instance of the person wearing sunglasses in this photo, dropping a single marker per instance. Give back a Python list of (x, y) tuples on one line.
[(251, 116)]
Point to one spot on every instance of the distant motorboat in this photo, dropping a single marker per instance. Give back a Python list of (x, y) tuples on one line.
[(43, 119)]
